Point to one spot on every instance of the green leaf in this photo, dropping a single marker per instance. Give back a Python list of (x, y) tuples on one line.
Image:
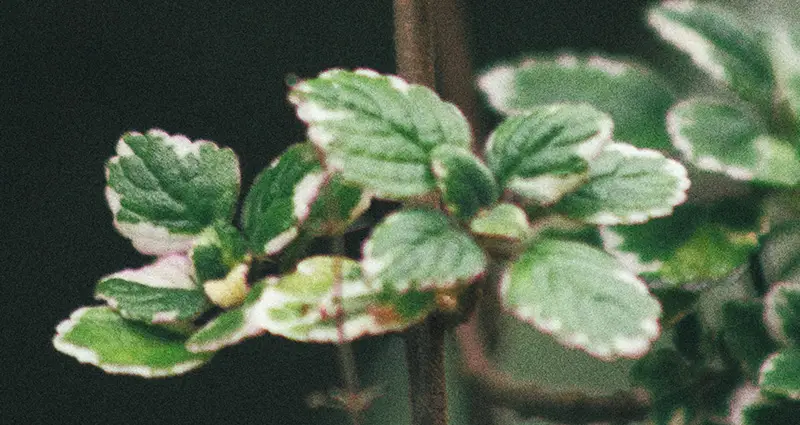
[(163, 292), (780, 374), (219, 249), (723, 138), (545, 152), (720, 43), (583, 297), (231, 326), (782, 312), (421, 249), (676, 304), (338, 205), (669, 391), (635, 98), (378, 130), (164, 190), (745, 334), (465, 182), (771, 413), (99, 336), (504, 221), (785, 54), (304, 305), (627, 185), (695, 244), (780, 253), (280, 199)]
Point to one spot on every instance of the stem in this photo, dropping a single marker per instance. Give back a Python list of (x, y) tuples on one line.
[(344, 350), (413, 22)]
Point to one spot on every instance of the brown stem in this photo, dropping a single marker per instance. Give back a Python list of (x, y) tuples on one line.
[(413, 41), (528, 399)]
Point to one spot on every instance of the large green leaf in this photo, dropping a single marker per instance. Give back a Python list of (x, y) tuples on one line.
[(583, 297), (719, 137), (163, 292), (745, 335), (720, 43), (421, 249), (378, 130), (694, 244), (635, 98), (164, 190), (782, 312), (99, 336), (280, 199), (465, 182), (627, 185), (780, 374), (545, 152), (780, 253), (328, 300)]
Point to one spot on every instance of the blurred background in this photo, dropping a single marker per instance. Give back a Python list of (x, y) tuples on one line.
[(77, 74)]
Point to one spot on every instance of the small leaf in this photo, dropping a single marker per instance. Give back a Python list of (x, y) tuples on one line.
[(99, 336), (545, 152), (218, 249), (583, 297), (676, 304), (281, 198), (229, 291), (722, 138), (231, 326), (164, 190), (635, 98), (766, 412), (378, 130), (466, 183), (694, 244), (745, 335), (304, 305), (780, 253), (164, 292), (780, 374), (719, 43), (504, 221), (626, 186), (785, 54), (338, 205), (782, 312), (421, 249), (669, 391)]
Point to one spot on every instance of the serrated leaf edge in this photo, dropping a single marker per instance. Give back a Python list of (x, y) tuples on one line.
[(630, 260), (769, 366), (771, 318)]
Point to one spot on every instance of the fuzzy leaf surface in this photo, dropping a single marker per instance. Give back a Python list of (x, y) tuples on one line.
[(723, 138), (378, 130), (636, 99), (583, 297), (782, 312), (304, 305), (164, 190), (161, 293), (421, 249), (544, 153), (627, 185), (465, 182), (720, 43), (780, 374), (99, 336)]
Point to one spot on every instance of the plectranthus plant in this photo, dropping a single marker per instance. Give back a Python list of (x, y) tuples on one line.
[(217, 280), (724, 264)]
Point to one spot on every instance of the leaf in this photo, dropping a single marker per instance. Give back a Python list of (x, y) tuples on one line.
[(304, 305), (722, 138), (635, 98), (231, 326), (378, 130), (503, 221), (583, 297), (766, 412), (219, 249), (676, 304), (780, 374), (627, 185), (784, 49), (669, 391), (782, 312), (421, 249), (465, 182), (280, 199), (545, 152), (99, 336), (164, 190), (694, 244), (338, 205), (745, 335), (161, 293), (780, 253), (719, 43)]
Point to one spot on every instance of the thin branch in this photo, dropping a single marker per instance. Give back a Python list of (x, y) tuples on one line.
[(413, 41), (344, 350), (529, 399)]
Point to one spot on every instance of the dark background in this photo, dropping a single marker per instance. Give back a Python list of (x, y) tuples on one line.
[(77, 74)]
